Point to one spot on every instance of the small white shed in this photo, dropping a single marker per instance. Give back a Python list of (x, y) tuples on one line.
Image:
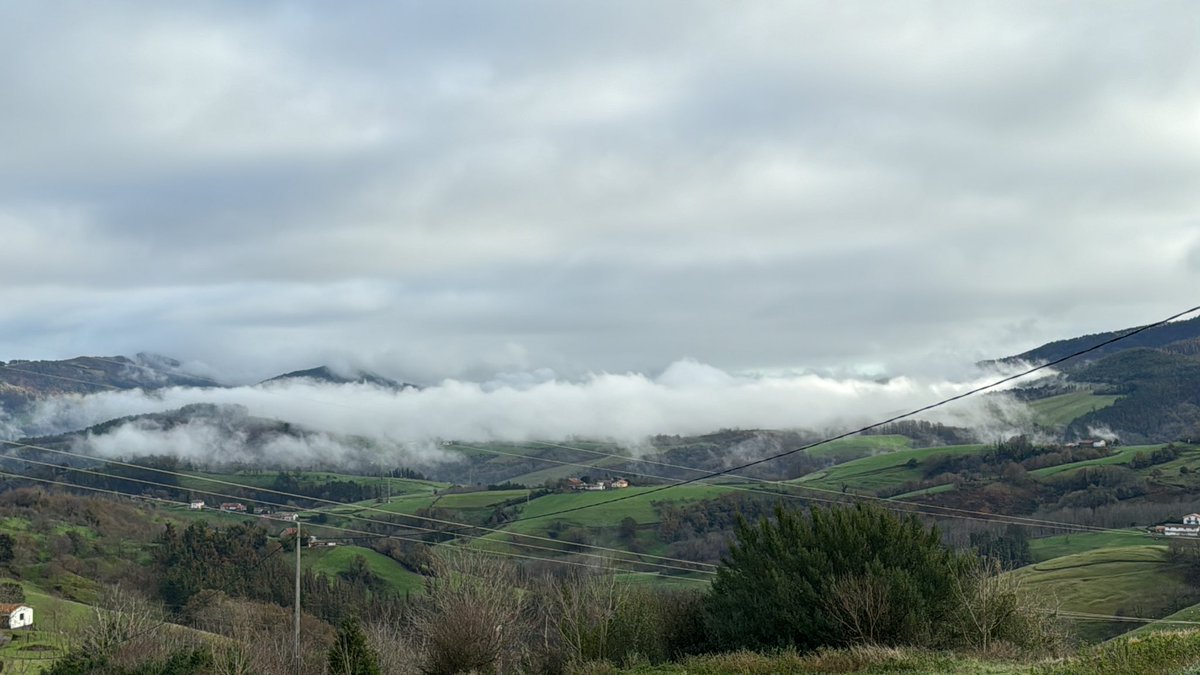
[(15, 616)]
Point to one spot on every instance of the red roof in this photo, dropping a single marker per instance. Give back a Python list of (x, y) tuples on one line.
[(10, 608)]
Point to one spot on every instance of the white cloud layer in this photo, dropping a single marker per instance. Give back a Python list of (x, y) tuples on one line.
[(687, 398)]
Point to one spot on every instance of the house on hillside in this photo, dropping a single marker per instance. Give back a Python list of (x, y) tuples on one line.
[(1088, 443), (620, 483), (236, 507), (196, 505), (1177, 530), (16, 616), (1190, 527), (574, 483)]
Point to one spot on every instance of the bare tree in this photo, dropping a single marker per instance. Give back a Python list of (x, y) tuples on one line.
[(396, 645), (585, 607), (473, 617), (860, 606), (994, 609)]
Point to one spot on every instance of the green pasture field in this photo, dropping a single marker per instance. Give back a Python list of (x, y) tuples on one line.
[(883, 470), (691, 583), (605, 515), (478, 500), (195, 480), (580, 461), (336, 559), (927, 491), (630, 504), (847, 449), (34, 650), (1121, 456), (1061, 410), (1190, 614), (410, 504), (1172, 473), (1124, 581), (1047, 548), (592, 464)]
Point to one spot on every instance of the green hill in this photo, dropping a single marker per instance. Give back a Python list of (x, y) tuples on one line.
[(1160, 336), (338, 560), (1056, 412), (1124, 581), (881, 471)]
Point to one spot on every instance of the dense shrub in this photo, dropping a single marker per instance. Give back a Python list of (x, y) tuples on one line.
[(833, 577)]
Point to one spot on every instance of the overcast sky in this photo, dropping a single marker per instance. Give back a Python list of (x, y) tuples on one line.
[(462, 189)]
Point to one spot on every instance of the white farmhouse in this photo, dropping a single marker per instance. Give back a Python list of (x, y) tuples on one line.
[(15, 616)]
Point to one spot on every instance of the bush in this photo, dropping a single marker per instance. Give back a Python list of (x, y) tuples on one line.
[(831, 578), (472, 620)]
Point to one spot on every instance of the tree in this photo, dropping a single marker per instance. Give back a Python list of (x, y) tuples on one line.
[(472, 620), (350, 654), (7, 548), (627, 530), (793, 581), (12, 592)]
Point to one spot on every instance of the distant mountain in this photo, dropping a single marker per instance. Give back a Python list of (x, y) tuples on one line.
[(1155, 375), (1175, 336), (212, 434), (23, 382), (1159, 396), (327, 374)]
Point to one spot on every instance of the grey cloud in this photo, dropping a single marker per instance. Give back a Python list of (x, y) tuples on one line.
[(461, 190)]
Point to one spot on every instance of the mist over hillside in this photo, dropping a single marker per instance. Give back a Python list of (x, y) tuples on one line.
[(687, 398), (153, 405)]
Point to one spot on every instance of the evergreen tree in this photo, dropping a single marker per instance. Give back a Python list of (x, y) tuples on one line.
[(809, 581), (350, 654)]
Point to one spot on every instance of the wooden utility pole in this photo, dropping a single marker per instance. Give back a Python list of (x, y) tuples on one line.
[(296, 621)]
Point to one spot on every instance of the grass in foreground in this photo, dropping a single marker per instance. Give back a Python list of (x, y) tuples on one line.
[(1156, 654)]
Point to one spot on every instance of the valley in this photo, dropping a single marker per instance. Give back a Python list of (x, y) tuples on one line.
[(1067, 508)]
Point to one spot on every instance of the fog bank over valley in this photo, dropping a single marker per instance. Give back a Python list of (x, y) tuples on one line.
[(361, 423)]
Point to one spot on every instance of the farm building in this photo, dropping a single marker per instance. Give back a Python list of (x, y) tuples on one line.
[(233, 506), (16, 616), (1192, 519), (196, 505), (1176, 530)]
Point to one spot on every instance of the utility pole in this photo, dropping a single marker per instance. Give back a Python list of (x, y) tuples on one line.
[(296, 622)]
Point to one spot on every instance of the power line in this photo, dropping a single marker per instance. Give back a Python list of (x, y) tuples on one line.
[(885, 422), (340, 504), (1066, 614), (372, 520), (908, 507), (982, 515), (843, 498), (944, 511), (337, 528), (787, 485)]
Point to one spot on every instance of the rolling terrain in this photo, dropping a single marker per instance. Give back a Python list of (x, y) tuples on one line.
[(1069, 520)]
